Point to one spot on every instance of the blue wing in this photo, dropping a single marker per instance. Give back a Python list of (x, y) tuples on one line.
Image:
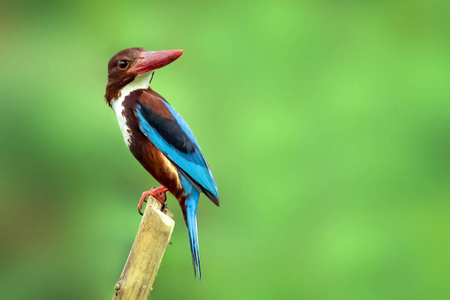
[(167, 130)]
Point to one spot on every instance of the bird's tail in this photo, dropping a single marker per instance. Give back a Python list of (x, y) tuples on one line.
[(191, 220)]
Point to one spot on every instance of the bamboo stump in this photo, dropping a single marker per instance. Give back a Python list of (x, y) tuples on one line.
[(143, 262)]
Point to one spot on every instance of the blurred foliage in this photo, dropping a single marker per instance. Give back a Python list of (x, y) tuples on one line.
[(326, 124)]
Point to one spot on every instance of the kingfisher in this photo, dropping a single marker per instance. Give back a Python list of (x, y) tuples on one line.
[(158, 136)]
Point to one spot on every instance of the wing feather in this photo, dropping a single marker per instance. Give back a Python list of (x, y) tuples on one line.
[(168, 131)]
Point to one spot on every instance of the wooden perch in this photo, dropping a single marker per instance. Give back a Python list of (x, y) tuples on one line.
[(146, 254)]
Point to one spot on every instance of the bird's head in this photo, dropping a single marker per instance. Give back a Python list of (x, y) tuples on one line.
[(129, 63)]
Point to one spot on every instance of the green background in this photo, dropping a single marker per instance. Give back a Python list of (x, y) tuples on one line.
[(326, 124)]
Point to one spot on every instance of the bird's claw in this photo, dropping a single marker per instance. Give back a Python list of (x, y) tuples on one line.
[(159, 193)]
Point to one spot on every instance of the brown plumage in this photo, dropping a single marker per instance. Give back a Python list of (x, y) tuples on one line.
[(143, 149)]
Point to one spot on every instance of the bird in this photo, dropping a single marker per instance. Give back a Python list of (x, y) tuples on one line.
[(158, 137)]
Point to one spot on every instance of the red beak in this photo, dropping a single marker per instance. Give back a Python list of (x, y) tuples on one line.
[(153, 60)]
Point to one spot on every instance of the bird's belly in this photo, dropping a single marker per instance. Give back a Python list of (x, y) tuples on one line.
[(156, 163)]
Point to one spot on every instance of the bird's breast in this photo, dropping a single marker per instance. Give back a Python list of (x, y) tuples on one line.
[(141, 82), (118, 107)]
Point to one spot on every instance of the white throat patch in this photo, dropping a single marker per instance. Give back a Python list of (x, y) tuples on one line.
[(140, 82)]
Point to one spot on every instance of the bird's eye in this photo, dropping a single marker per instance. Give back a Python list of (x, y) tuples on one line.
[(123, 64)]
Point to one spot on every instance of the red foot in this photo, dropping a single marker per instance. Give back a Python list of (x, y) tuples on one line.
[(159, 193)]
